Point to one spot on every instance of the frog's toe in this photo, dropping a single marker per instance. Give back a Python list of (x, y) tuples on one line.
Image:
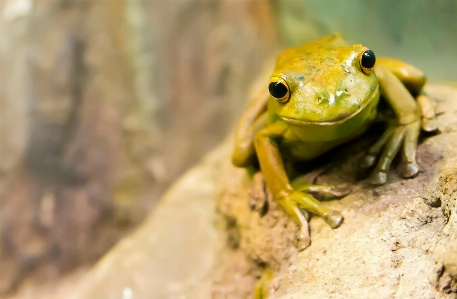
[(324, 192), (332, 193), (304, 240), (378, 178), (430, 125), (334, 219), (340, 192), (368, 161), (409, 170)]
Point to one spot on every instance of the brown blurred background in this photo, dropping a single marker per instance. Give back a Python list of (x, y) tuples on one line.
[(103, 104)]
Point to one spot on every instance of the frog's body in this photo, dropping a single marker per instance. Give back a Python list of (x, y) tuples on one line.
[(322, 95), (324, 77)]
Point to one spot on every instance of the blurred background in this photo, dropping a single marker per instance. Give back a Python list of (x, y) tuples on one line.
[(104, 104)]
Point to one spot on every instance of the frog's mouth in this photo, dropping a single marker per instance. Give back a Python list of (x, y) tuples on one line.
[(336, 121)]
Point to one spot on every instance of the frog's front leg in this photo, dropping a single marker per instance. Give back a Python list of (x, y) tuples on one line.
[(253, 119), (398, 81), (272, 166)]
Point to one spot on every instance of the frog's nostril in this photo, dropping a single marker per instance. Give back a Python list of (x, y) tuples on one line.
[(322, 97), (342, 93)]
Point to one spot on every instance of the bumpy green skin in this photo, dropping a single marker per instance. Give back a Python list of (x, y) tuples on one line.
[(332, 100)]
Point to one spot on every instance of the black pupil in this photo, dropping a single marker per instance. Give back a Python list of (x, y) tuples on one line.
[(277, 89), (368, 59)]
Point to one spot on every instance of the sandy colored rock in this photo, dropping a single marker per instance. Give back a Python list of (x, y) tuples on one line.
[(386, 248), (383, 249), (172, 253)]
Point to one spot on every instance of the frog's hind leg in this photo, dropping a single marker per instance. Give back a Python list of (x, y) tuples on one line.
[(391, 148), (400, 83), (414, 80), (390, 142)]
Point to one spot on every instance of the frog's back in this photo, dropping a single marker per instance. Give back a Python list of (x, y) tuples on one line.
[(312, 51)]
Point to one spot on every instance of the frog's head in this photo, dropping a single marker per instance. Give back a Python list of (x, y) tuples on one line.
[(323, 84)]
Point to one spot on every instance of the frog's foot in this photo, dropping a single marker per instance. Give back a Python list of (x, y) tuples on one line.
[(261, 290), (377, 178), (394, 138), (293, 210), (370, 159), (304, 200)]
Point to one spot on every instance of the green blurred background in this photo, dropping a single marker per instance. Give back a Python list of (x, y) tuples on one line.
[(421, 32), (104, 104)]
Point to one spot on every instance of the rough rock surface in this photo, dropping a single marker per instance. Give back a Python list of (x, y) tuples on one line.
[(386, 248), (171, 254)]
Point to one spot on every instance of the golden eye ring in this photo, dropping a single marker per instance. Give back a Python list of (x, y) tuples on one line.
[(279, 89), (367, 60)]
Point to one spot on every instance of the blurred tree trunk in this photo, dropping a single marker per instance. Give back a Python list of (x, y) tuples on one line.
[(103, 104)]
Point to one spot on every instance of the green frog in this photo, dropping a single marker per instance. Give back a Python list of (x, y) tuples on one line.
[(321, 95)]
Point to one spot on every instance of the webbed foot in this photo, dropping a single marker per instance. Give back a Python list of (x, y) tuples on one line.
[(300, 217), (403, 138), (299, 199), (305, 197)]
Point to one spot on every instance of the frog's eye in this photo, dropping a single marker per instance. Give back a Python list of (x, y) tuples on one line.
[(279, 90), (367, 60)]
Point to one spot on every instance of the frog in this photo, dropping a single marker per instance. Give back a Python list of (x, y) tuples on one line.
[(322, 95)]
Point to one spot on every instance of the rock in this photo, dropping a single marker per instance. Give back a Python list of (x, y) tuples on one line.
[(384, 247), (393, 243), (446, 250), (172, 253)]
